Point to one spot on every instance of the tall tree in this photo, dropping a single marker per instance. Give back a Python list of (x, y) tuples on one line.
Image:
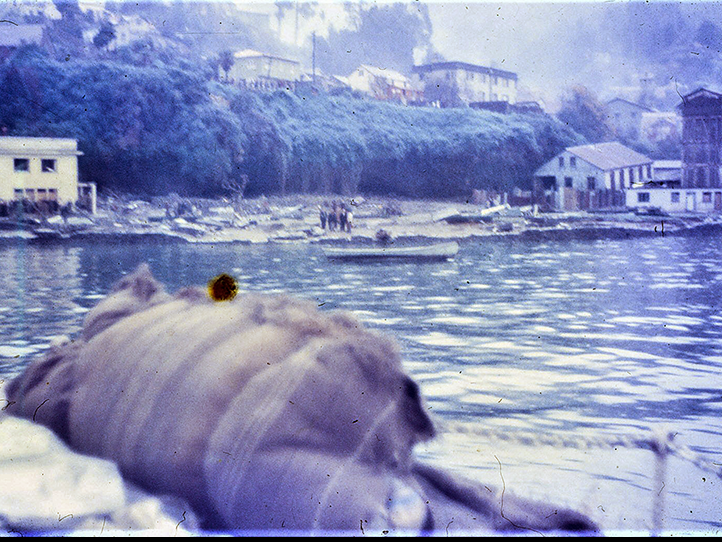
[(585, 114), (226, 60), (385, 35), (105, 35)]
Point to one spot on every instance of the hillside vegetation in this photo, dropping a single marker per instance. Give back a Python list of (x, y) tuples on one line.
[(159, 129)]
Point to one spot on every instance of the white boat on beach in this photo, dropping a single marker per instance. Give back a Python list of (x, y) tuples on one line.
[(435, 252)]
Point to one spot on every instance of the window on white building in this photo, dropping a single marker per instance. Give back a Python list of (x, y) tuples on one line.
[(561, 161), (642, 197), (572, 161), (568, 182), (591, 183), (674, 197), (21, 164), (47, 165), (706, 197)]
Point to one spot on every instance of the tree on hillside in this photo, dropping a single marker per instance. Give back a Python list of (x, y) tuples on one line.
[(105, 35), (585, 114), (384, 36), (709, 35), (225, 61), (443, 91), (66, 33)]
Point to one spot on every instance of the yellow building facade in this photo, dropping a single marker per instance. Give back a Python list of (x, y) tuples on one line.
[(41, 169)]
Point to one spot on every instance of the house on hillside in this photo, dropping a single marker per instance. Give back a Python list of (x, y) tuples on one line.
[(14, 36), (384, 84), (626, 117), (590, 177), (261, 71), (43, 171), (472, 83)]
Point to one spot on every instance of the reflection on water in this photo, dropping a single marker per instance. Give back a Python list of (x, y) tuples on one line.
[(559, 339)]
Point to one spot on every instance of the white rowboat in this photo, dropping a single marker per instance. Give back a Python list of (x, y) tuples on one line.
[(437, 252)]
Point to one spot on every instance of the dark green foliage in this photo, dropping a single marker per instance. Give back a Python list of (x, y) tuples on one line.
[(582, 112), (384, 35), (333, 144), (154, 130), (105, 35), (144, 131)]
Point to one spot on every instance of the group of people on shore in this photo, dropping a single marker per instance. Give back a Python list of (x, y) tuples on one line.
[(335, 216)]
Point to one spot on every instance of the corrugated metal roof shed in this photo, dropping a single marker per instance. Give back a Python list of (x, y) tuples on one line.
[(609, 155)]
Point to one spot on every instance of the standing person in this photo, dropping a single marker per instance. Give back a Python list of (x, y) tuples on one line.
[(342, 217), (322, 214), (349, 220), (332, 217)]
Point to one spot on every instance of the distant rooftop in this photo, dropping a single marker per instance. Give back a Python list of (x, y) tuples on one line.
[(640, 106), (39, 146), (444, 66), (384, 73), (250, 53), (13, 35), (609, 155), (667, 164)]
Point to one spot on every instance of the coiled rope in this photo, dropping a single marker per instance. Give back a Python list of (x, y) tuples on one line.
[(660, 443)]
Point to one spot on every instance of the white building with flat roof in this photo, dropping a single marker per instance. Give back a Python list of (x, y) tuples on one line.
[(40, 169)]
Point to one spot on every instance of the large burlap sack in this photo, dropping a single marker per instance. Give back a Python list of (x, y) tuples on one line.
[(263, 412)]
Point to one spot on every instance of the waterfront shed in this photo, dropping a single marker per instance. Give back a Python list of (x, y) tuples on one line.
[(590, 177)]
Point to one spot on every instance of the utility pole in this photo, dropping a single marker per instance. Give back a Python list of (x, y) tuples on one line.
[(295, 33), (313, 58)]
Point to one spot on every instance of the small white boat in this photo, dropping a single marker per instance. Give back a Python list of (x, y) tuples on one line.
[(436, 252)]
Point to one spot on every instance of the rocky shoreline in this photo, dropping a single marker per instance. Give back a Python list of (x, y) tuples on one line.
[(296, 219)]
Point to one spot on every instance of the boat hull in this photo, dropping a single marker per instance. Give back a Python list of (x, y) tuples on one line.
[(437, 252)]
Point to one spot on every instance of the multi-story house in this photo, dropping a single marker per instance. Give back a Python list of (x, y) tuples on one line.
[(626, 117), (701, 139), (472, 83), (42, 169)]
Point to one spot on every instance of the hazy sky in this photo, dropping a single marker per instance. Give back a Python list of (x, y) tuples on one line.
[(530, 38), (551, 45)]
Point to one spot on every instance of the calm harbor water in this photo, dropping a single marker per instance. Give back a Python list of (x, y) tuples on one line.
[(521, 349)]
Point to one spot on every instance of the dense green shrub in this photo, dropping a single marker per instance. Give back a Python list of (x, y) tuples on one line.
[(158, 129)]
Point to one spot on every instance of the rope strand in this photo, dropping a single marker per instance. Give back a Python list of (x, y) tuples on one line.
[(660, 444)]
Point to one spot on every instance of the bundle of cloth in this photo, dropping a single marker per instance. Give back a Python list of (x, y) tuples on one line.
[(264, 413)]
